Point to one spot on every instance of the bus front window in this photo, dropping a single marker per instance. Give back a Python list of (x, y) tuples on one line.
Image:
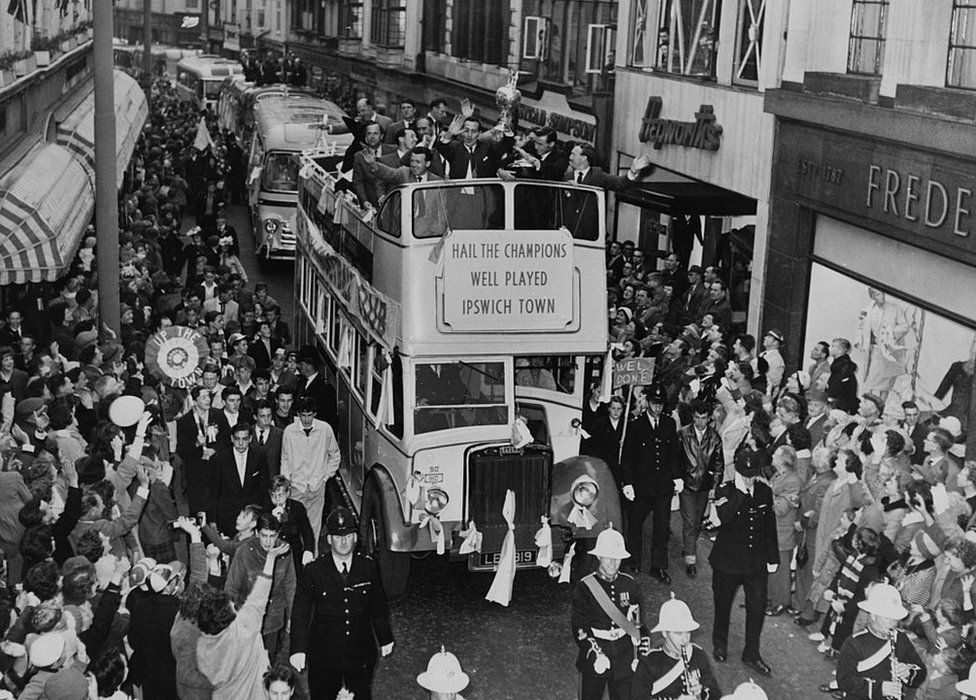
[(280, 173), (459, 394), (212, 89)]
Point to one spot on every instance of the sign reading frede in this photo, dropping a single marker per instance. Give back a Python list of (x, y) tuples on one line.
[(508, 281)]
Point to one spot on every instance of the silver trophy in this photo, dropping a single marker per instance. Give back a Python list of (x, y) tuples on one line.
[(507, 98)]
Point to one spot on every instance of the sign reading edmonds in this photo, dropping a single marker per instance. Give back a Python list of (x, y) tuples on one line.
[(702, 133), (497, 281)]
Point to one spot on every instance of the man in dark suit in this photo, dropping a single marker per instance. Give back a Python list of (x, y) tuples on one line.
[(842, 385), (334, 633), (11, 333), (296, 529), (693, 297), (239, 476), (744, 554), (606, 432), (469, 153), (649, 467), (581, 209), (915, 429), (279, 329), (367, 115), (408, 111), (196, 443), (312, 384), (263, 348), (817, 418), (364, 182), (267, 437)]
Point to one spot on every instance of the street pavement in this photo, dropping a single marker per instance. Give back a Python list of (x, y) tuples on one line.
[(526, 651)]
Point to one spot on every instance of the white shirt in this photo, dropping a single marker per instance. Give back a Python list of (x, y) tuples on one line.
[(740, 483), (241, 459), (339, 561), (231, 418)]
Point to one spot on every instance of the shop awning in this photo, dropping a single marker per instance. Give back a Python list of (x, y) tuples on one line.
[(673, 193), (77, 131), (46, 200)]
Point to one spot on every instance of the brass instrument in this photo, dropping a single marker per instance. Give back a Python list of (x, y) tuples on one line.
[(691, 678)]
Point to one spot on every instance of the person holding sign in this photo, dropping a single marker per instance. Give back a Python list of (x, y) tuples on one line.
[(649, 461)]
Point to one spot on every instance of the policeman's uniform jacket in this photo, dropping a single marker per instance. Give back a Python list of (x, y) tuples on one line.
[(337, 623), (650, 456), (589, 622), (746, 540), (660, 676), (864, 663)]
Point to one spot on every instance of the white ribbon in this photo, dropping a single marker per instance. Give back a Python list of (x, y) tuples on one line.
[(606, 380), (567, 563), (543, 540), (384, 413), (436, 530), (521, 436), (344, 358), (472, 539), (501, 587), (581, 517), (415, 492)]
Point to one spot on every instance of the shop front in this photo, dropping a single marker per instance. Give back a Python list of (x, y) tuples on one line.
[(874, 240), (706, 200)]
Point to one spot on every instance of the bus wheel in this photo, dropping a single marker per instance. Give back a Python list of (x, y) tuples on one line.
[(394, 566)]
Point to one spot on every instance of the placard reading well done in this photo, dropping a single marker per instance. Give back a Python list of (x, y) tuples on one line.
[(508, 281)]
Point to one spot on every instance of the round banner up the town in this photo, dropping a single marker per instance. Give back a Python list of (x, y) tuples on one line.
[(175, 355)]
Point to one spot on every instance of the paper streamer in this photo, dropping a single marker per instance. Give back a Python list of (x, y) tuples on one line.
[(567, 564), (472, 539), (501, 587), (543, 540)]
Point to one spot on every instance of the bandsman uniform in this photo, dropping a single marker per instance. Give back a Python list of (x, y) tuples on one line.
[(600, 638), (678, 668), (865, 661), (339, 620)]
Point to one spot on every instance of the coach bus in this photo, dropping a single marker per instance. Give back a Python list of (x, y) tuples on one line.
[(460, 317), (198, 78), (284, 126), (237, 100)]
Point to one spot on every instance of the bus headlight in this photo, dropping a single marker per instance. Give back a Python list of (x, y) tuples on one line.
[(585, 493), (437, 500), (270, 225)]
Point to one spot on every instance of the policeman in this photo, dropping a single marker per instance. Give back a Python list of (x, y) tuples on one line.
[(606, 622), (340, 615), (868, 667), (650, 467), (677, 669), (744, 554)]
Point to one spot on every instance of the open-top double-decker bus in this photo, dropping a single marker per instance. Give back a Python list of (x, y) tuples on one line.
[(455, 310)]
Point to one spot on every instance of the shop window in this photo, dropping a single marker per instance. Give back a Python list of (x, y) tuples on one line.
[(748, 53), (903, 350), (962, 46), (350, 19), (869, 20), (481, 31), (638, 32), (574, 43), (387, 26), (687, 37), (434, 31)]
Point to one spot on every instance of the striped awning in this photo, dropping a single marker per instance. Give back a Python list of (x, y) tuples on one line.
[(46, 200), (77, 131)]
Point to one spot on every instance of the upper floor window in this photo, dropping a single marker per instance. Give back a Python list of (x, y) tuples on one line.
[(481, 31), (387, 26), (687, 37), (351, 19), (434, 31), (961, 72), (868, 26), (570, 42), (638, 33), (748, 52)]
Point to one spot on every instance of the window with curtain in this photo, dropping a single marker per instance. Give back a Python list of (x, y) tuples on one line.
[(868, 24), (638, 32), (435, 12), (387, 25), (572, 44), (748, 53), (350, 19), (687, 37), (961, 71), (481, 31)]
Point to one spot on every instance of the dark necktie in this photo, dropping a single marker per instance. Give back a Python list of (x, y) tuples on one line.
[(262, 436), (345, 572), (579, 177)]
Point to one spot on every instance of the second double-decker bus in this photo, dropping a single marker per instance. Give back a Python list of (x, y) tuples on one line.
[(459, 326), (285, 124), (198, 78)]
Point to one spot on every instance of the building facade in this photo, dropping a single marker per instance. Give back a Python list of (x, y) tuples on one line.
[(174, 22), (872, 232), (691, 79)]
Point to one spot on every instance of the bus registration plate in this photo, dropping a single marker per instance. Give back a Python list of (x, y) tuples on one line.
[(522, 556)]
